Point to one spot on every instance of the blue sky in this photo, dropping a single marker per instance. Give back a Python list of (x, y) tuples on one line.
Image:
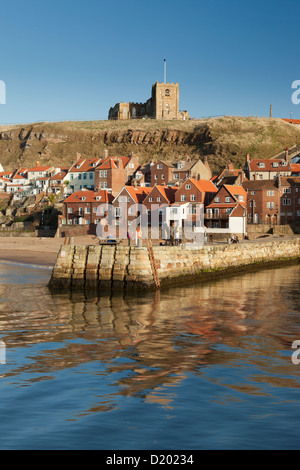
[(72, 60)]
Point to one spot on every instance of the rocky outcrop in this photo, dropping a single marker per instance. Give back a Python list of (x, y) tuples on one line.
[(220, 140)]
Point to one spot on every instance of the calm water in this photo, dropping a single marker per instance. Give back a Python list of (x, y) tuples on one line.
[(200, 367)]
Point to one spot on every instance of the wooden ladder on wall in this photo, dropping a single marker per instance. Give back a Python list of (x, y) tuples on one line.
[(153, 264)]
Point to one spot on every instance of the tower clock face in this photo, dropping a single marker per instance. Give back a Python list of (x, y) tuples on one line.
[(167, 92)]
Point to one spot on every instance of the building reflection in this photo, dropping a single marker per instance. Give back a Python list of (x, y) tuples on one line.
[(154, 341)]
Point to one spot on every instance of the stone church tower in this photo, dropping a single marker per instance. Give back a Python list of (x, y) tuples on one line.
[(163, 104), (165, 100)]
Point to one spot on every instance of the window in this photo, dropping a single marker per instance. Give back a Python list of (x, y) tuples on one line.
[(217, 199), (84, 176), (79, 176), (80, 210), (183, 198), (70, 210), (270, 205), (105, 174), (156, 177), (162, 177), (83, 198), (101, 174), (286, 190), (159, 167), (118, 212), (261, 165), (91, 176), (286, 202), (227, 199), (158, 199), (187, 186), (252, 193), (87, 210), (270, 193), (150, 199), (193, 197), (275, 165)]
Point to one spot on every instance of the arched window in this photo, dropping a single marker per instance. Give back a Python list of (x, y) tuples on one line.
[(134, 113), (125, 113)]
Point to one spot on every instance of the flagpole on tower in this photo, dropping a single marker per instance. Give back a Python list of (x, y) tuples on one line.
[(165, 70)]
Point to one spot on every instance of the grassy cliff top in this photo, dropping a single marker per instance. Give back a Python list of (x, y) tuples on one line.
[(220, 139)]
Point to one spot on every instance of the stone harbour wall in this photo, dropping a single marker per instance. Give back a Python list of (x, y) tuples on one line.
[(106, 268)]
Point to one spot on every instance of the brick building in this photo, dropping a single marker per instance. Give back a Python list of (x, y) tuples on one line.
[(267, 169), (113, 173), (263, 202), (81, 208), (194, 191), (230, 201), (289, 188), (175, 173)]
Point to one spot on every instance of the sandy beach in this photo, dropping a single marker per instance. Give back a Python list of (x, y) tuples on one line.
[(38, 251)]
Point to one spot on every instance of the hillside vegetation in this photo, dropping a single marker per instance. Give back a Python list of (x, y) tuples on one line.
[(220, 139)]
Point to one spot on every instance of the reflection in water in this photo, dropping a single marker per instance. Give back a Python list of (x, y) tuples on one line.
[(148, 347), (161, 336)]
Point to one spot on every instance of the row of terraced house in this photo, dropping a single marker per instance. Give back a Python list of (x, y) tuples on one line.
[(265, 191)]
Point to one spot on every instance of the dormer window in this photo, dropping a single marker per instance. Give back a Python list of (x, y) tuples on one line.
[(98, 198), (83, 198), (261, 165), (275, 165)]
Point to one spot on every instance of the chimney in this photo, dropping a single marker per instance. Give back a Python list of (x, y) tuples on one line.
[(230, 166), (248, 158), (37, 164), (119, 164), (105, 153), (286, 157)]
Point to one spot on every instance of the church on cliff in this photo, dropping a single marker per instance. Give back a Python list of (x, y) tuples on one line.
[(163, 104)]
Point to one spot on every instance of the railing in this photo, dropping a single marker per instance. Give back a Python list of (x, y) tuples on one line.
[(219, 216)]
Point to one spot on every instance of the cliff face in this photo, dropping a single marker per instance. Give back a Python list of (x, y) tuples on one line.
[(218, 139)]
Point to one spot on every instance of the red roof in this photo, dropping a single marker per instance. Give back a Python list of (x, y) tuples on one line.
[(59, 176), (111, 163), (85, 164), (90, 196), (39, 168), (236, 191), (295, 167), (138, 194), (205, 186), (292, 121), (168, 192), (282, 165)]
